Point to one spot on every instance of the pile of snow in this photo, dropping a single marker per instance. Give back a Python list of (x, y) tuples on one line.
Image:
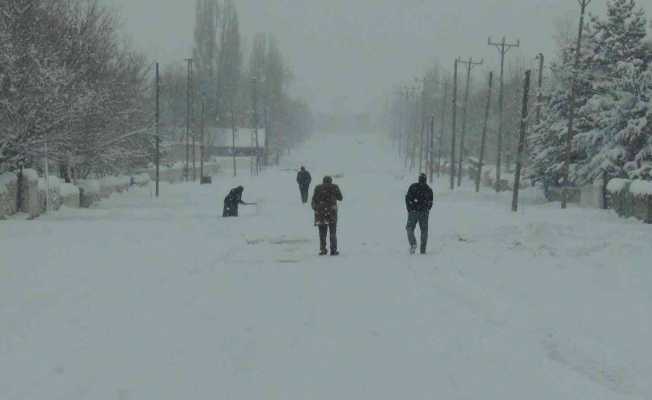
[(641, 188), (617, 185)]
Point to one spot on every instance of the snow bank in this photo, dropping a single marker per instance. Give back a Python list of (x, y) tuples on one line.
[(617, 185), (641, 188)]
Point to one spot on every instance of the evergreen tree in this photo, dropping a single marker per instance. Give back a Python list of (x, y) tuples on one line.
[(619, 111)]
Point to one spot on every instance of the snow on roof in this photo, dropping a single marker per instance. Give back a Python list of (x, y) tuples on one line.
[(142, 179), (68, 189), (617, 185), (89, 186), (30, 174), (641, 188), (244, 137), (8, 179), (54, 183)]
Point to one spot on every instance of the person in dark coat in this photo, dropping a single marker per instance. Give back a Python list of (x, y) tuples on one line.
[(419, 201), (304, 179), (324, 203), (232, 201)]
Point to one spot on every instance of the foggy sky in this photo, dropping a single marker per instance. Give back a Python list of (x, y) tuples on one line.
[(346, 53)]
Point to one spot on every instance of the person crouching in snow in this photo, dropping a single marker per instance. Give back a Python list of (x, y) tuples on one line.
[(233, 201), (324, 203)]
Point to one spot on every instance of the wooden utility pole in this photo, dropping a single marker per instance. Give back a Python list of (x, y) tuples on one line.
[(503, 48), (521, 141), (571, 105), (203, 140), (255, 117), (452, 160), (431, 148), (188, 95), (478, 179), (442, 126), (422, 116), (541, 59), (157, 157), (469, 66)]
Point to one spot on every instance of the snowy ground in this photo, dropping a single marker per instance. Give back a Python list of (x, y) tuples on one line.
[(145, 299)]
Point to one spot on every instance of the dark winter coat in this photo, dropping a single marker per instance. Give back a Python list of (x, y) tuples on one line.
[(324, 203), (304, 179), (232, 201), (419, 197)]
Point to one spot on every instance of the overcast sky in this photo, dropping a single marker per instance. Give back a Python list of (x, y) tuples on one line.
[(346, 53)]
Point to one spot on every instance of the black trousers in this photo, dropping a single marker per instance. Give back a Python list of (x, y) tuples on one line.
[(421, 218), (323, 232), (304, 193)]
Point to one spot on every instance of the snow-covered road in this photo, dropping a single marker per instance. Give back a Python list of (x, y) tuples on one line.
[(146, 299)]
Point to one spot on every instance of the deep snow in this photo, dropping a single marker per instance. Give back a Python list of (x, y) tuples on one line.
[(143, 299)]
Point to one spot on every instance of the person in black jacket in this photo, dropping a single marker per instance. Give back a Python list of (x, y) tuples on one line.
[(232, 201), (304, 179), (419, 201)]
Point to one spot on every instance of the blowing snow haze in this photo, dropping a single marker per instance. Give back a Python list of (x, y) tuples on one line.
[(346, 53)]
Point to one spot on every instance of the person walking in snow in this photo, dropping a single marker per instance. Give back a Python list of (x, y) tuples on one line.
[(232, 201), (324, 203), (304, 179), (419, 201)]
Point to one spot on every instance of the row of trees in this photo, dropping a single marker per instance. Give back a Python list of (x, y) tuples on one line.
[(231, 92), (613, 104), (71, 87), (613, 99), (72, 91)]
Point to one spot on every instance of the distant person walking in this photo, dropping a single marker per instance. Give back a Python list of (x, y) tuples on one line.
[(304, 179), (324, 203), (232, 201), (419, 201)]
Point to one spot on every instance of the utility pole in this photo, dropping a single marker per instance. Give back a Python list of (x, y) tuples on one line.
[(483, 143), (158, 129), (521, 141), (255, 118), (541, 59), (188, 93), (503, 48), (431, 151), (203, 140), (571, 104), (469, 66), (422, 116), (442, 130), (452, 160)]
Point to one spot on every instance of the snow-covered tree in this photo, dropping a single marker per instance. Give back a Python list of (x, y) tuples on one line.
[(619, 111)]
